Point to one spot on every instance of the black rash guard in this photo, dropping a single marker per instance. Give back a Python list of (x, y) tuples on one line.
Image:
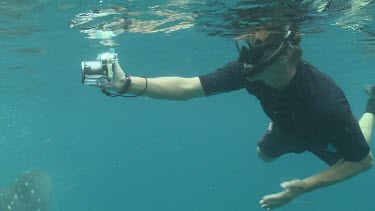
[(311, 107)]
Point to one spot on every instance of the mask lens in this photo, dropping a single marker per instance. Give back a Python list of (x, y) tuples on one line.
[(250, 54), (256, 54), (242, 45)]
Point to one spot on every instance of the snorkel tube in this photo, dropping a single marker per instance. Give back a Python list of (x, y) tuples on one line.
[(250, 70)]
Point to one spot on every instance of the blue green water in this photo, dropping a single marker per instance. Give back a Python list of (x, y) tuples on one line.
[(143, 154)]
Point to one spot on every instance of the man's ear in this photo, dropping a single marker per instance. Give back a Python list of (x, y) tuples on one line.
[(289, 51), (287, 55)]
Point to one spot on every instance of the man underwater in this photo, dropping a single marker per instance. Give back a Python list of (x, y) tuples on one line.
[(308, 111)]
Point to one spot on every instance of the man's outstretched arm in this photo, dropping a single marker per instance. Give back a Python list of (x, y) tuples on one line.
[(166, 88)]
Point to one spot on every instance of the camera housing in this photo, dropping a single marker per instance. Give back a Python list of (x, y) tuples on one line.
[(100, 71)]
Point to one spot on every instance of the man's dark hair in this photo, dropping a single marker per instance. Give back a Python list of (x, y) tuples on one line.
[(275, 34)]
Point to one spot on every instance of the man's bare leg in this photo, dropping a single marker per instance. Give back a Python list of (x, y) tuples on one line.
[(367, 120), (366, 124)]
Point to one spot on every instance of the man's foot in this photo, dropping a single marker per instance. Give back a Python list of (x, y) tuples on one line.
[(370, 90)]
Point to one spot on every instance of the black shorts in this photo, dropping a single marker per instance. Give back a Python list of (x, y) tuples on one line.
[(277, 142)]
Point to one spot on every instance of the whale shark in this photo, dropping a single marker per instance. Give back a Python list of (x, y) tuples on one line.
[(30, 192)]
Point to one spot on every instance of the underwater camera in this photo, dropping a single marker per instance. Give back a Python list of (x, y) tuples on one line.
[(99, 72)]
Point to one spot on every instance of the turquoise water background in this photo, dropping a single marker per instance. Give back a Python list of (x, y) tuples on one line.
[(150, 155)]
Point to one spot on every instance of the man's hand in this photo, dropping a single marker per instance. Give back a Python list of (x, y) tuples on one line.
[(118, 82), (292, 189)]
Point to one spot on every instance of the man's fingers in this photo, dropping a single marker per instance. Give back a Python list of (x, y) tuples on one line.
[(264, 204), (104, 86), (117, 70)]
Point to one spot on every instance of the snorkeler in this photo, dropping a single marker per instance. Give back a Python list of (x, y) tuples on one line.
[(309, 112)]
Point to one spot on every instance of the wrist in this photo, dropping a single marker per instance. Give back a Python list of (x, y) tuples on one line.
[(306, 185), (125, 84)]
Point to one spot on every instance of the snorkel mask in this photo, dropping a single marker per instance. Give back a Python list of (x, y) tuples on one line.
[(252, 55)]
